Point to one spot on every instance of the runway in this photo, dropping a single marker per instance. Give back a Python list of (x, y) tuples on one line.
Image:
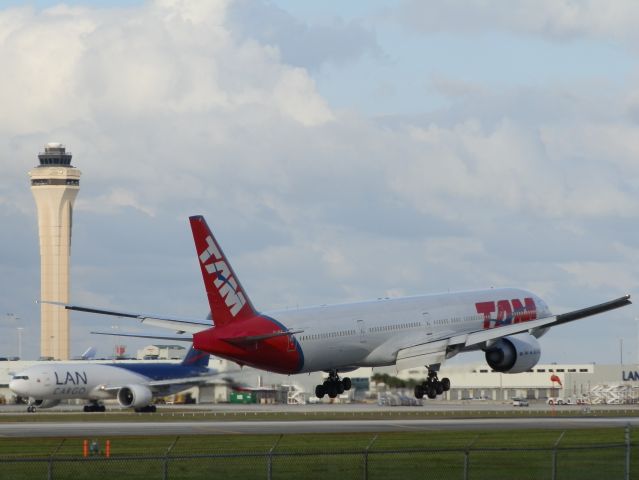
[(88, 429)]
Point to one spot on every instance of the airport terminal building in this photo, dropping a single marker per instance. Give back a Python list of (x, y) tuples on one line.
[(591, 382)]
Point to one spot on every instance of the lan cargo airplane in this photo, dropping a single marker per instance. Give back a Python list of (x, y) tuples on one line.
[(407, 332), (132, 384)]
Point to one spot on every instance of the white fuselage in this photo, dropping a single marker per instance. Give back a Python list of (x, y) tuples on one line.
[(371, 333), (71, 380)]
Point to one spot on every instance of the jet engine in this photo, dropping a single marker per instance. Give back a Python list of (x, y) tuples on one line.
[(136, 396), (43, 403), (514, 354)]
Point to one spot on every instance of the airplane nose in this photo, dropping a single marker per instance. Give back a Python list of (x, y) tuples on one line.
[(16, 386), (13, 385)]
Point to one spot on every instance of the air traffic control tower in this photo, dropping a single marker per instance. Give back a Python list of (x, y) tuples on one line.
[(55, 184)]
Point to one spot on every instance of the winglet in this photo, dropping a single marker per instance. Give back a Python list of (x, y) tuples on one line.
[(227, 298)]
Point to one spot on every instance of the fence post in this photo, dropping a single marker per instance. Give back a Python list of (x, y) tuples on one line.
[(467, 456), (466, 453), (166, 458), (554, 456), (627, 434), (50, 467), (269, 460), (368, 447)]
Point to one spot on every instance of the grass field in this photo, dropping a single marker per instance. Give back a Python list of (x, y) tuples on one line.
[(513, 454)]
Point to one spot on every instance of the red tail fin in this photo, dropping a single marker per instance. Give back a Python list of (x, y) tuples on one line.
[(227, 298)]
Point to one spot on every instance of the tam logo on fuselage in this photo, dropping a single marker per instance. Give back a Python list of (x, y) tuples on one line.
[(508, 311), (223, 281)]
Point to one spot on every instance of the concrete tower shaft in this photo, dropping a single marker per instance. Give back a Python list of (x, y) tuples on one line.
[(55, 184)]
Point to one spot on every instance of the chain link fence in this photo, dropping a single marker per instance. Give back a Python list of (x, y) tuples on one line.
[(610, 461)]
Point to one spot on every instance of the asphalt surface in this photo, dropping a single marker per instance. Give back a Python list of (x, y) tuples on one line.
[(84, 429)]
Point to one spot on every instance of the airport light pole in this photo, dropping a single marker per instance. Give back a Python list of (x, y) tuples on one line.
[(15, 318), (19, 342)]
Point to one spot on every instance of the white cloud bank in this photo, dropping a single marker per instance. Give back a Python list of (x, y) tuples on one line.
[(169, 111)]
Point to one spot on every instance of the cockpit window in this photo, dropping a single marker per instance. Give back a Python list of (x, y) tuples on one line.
[(20, 377)]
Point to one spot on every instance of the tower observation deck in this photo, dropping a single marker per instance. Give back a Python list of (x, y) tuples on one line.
[(55, 184)]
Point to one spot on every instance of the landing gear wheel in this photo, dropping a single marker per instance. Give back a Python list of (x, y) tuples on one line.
[(431, 392), (347, 383), (332, 390), (446, 384), (31, 409), (432, 386), (333, 386), (94, 407), (147, 409)]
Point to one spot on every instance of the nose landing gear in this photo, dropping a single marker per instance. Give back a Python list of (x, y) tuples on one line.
[(333, 386), (432, 386)]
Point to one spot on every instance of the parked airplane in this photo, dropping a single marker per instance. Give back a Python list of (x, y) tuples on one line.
[(413, 331), (132, 384)]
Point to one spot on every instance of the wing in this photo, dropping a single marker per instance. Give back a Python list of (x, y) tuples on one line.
[(182, 325), (435, 351), (155, 385), (240, 341)]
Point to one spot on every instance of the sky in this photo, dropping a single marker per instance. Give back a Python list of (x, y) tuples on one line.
[(340, 151)]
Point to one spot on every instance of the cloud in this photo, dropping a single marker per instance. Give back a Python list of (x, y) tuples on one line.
[(558, 20), (306, 45), (174, 108)]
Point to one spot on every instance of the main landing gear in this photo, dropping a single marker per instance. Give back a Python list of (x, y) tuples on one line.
[(333, 386), (147, 409), (31, 409), (432, 386), (94, 407)]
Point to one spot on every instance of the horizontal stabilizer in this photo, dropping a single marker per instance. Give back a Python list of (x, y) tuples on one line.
[(258, 338), (172, 323), (155, 337)]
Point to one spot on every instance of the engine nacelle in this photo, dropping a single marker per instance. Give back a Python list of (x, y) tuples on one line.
[(136, 396), (37, 402), (515, 354)]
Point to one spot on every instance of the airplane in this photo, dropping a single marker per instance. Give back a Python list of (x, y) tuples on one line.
[(132, 384), (407, 332)]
